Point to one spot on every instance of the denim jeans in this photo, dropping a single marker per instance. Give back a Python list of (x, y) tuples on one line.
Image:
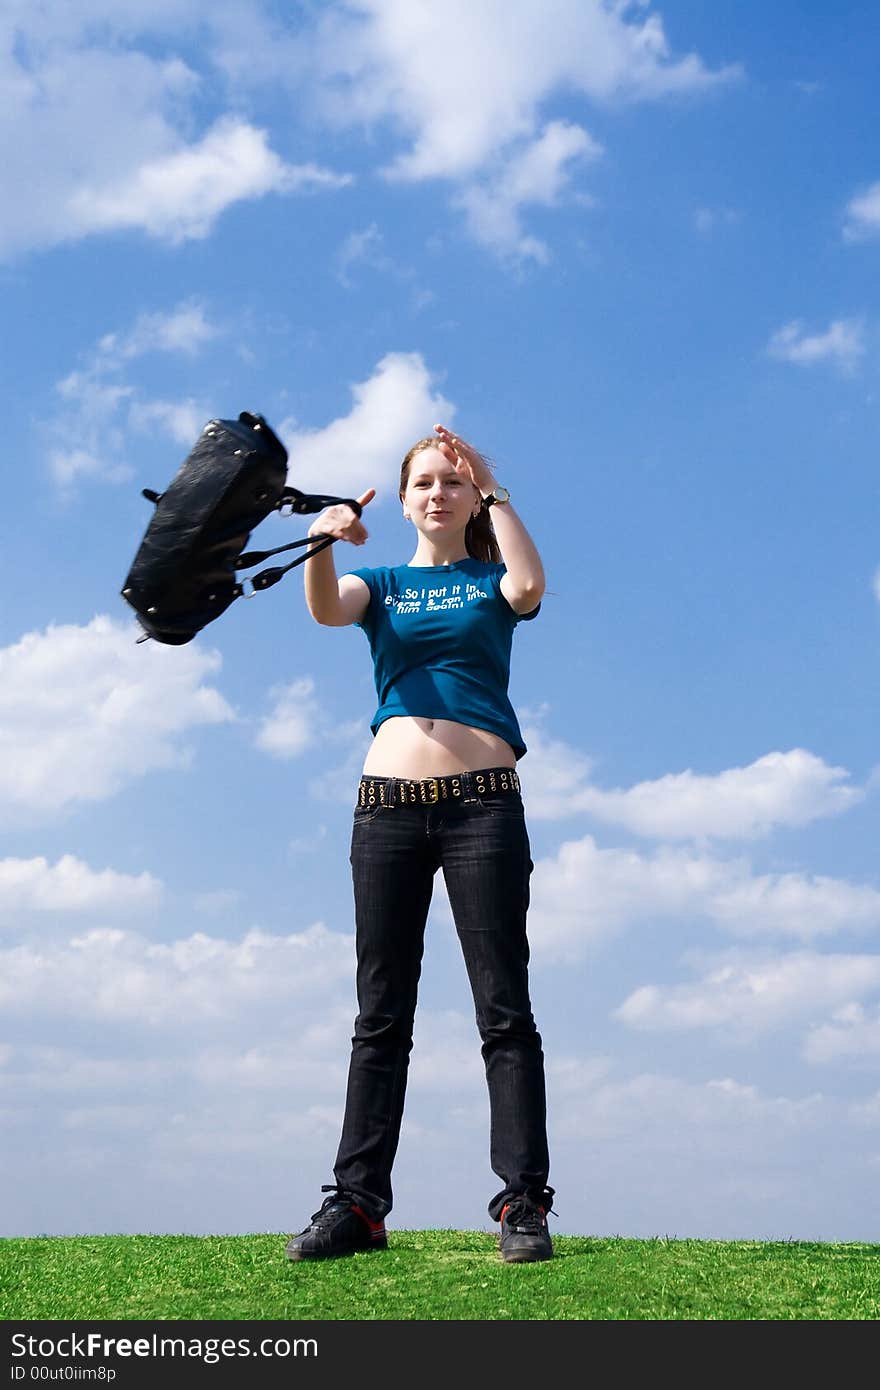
[(482, 846)]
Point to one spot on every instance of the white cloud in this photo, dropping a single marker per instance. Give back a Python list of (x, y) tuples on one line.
[(393, 408), (365, 247), (863, 215), (100, 100), (842, 343), (867, 1112), (179, 195), (109, 975), (292, 725), (76, 112), (791, 788), (535, 174), (555, 775), (182, 420), (91, 415), (298, 720), (713, 1113), (184, 329), (463, 101), (851, 1032), (745, 995), (795, 905), (706, 219), (34, 885), (84, 710), (468, 86), (583, 895), (98, 407), (339, 784)]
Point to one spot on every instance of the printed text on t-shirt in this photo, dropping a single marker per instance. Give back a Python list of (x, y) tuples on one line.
[(436, 599)]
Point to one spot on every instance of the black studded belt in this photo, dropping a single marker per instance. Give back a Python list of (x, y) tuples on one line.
[(426, 791)]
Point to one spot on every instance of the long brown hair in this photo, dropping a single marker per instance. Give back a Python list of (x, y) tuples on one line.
[(479, 535)]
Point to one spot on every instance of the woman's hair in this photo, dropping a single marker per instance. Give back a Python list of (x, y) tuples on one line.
[(479, 536)]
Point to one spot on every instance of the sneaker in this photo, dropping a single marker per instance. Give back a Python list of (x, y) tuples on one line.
[(524, 1234), (339, 1228)]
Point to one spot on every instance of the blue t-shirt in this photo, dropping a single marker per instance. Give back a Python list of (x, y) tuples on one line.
[(440, 636)]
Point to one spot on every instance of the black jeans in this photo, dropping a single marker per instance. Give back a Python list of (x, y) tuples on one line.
[(482, 846)]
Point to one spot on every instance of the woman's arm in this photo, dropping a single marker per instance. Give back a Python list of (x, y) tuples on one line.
[(524, 583), (336, 602)]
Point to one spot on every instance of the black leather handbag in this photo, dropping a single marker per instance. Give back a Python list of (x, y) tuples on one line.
[(186, 570)]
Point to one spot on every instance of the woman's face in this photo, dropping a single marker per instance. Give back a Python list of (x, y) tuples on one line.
[(437, 498)]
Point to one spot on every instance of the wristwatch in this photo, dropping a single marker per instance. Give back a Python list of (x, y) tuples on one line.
[(498, 494)]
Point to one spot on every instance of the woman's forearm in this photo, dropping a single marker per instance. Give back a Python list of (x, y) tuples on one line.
[(322, 586), (519, 553), (343, 523)]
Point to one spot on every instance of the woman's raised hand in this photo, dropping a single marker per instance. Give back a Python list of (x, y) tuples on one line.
[(465, 458), (341, 522)]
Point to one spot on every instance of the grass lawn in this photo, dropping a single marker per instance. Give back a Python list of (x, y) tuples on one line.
[(434, 1275)]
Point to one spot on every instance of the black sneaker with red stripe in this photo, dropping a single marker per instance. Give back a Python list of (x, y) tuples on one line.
[(339, 1228), (524, 1234)]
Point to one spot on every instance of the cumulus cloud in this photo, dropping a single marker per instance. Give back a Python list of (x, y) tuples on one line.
[(101, 100), (91, 415), (791, 788), (185, 329), (842, 344), (713, 1113), (536, 174), (746, 995), (584, 895), (391, 60), (852, 1031), (291, 726), (182, 420), (474, 115), (862, 221), (109, 975), (556, 774), (84, 710), (70, 885), (366, 248), (180, 195), (795, 905), (99, 406), (391, 409), (867, 1112), (298, 720)]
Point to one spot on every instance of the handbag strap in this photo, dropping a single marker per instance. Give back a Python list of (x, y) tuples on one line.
[(299, 504)]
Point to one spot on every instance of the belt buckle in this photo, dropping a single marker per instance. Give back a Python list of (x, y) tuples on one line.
[(433, 786)]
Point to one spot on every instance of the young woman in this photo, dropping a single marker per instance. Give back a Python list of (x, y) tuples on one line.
[(439, 790)]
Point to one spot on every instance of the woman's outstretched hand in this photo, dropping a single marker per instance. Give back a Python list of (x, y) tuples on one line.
[(465, 458), (341, 522)]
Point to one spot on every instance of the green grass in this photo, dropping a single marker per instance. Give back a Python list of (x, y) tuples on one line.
[(434, 1275)]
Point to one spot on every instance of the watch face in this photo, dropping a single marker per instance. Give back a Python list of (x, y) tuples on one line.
[(501, 494)]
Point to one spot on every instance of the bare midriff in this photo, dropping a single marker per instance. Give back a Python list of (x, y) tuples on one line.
[(409, 746)]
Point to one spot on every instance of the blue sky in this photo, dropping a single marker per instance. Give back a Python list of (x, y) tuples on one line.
[(631, 252)]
